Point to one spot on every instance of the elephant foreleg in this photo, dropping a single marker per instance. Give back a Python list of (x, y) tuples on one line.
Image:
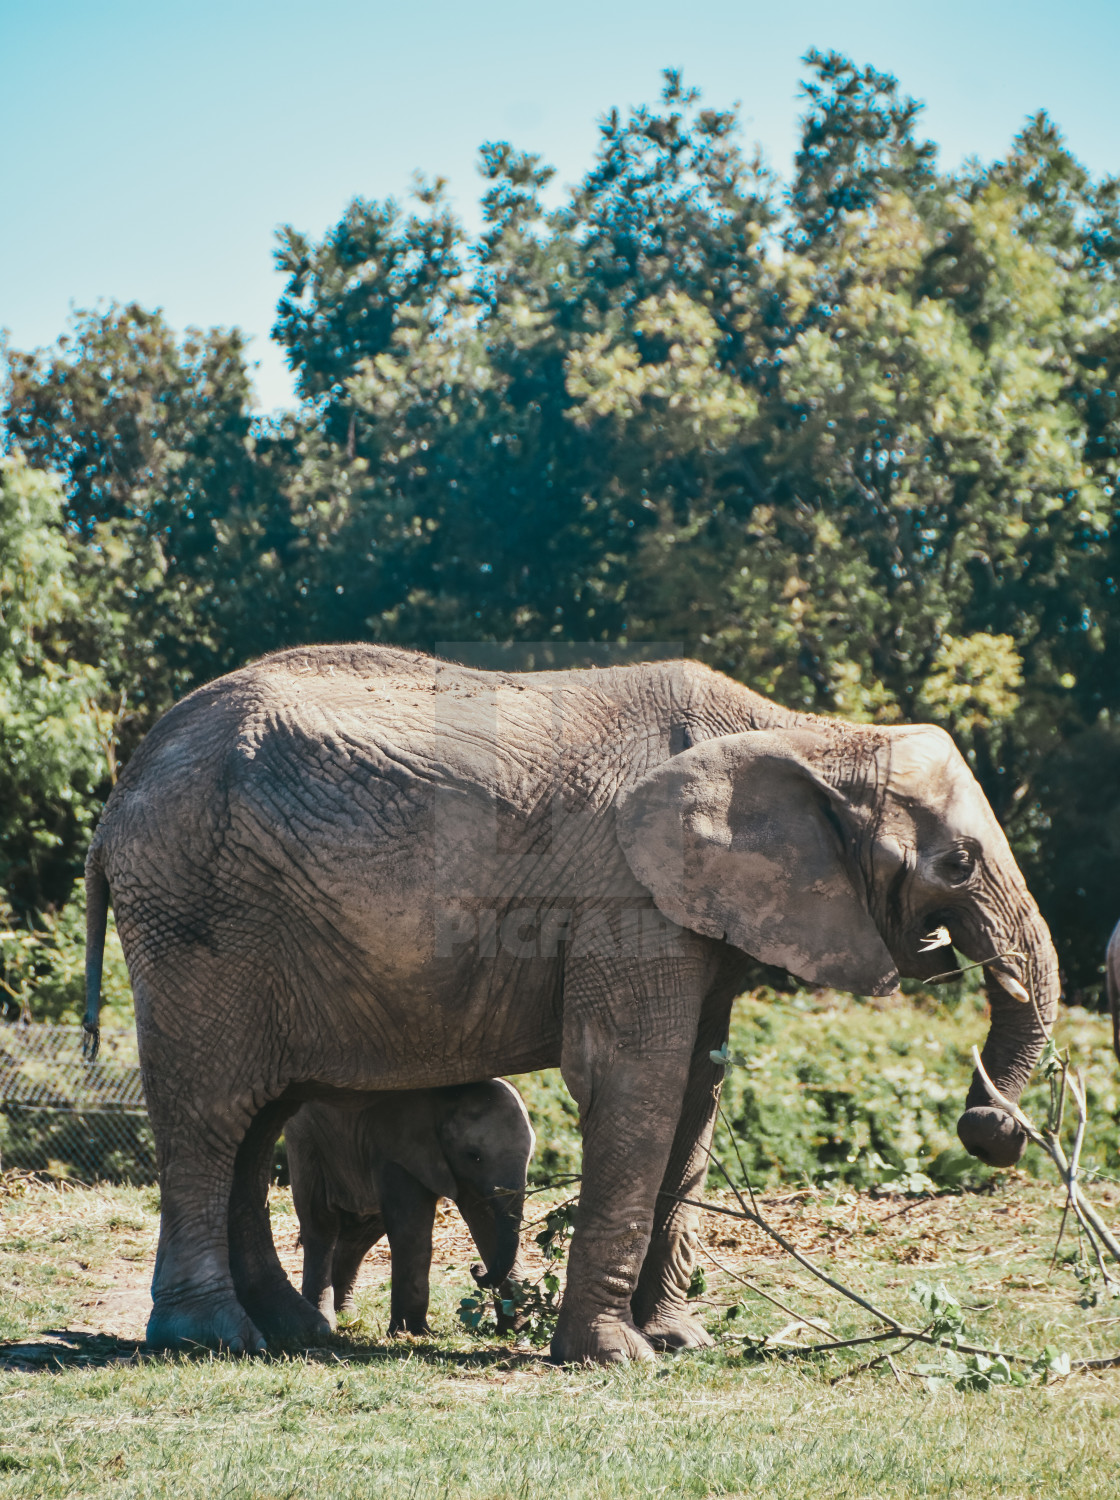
[(629, 1031), (660, 1303), (409, 1210)]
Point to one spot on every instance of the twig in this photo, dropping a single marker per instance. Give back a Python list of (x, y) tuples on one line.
[(1077, 1089), (1085, 1211), (1061, 1110), (738, 1158), (742, 1280), (1058, 1241), (745, 1213), (1109, 1362), (879, 1358), (750, 1212), (917, 1203), (893, 1327), (864, 1338), (983, 964)]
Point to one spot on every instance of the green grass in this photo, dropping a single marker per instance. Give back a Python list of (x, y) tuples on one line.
[(407, 1426), (466, 1416), (463, 1416)]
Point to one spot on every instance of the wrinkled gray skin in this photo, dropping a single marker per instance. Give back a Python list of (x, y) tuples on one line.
[(1112, 985), (360, 1174), (355, 868)]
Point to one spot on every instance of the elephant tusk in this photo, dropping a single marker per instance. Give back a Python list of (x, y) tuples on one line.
[(938, 938), (1013, 987)]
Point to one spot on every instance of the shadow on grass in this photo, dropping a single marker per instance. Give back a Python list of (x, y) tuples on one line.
[(58, 1349)]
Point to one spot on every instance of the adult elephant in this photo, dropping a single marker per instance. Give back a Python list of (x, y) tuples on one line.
[(354, 868)]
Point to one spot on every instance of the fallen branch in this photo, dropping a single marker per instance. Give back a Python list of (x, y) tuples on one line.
[(758, 1291), (1086, 1213), (893, 1329)]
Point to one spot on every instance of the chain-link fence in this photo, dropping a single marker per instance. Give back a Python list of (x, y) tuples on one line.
[(62, 1115)]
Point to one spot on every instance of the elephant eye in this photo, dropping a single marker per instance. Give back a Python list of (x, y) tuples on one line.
[(958, 865), (473, 1156)]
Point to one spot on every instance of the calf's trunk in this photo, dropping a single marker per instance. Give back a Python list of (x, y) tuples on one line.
[(495, 1226)]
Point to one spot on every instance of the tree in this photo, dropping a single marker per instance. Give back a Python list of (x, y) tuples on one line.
[(860, 451), (55, 723), (173, 502), (857, 147), (475, 503)]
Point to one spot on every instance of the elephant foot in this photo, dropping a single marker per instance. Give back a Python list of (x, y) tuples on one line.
[(606, 1340), (204, 1322), (327, 1308), (346, 1312), (418, 1327), (676, 1328), (284, 1317)]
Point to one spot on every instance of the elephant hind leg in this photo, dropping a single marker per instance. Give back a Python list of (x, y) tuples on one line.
[(278, 1310), (197, 1022), (319, 1240), (356, 1237), (194, 1302)]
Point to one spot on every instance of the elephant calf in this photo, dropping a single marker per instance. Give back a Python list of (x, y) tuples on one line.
[(360, 1173)]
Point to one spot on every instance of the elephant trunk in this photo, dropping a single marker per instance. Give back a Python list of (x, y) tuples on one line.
[(495, 1226), (1018, 1032)]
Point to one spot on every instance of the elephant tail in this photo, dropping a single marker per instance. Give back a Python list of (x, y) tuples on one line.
[(97, 915)]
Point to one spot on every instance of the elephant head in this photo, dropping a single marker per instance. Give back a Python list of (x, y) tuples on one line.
[(834, 850), (487, 1141)]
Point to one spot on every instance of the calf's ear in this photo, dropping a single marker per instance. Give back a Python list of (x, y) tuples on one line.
[(409, 1136), (740, 838)]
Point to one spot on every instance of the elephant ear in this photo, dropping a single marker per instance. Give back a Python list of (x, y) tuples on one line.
[(740, 838), (408, 1134)]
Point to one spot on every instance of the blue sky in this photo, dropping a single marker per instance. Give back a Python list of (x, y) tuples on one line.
[(151, 149)]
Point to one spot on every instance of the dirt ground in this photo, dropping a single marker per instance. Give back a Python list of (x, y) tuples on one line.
[(1012, 1227)]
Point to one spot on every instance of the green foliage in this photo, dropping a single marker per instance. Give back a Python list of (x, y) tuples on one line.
[(855, 442), (528, 1308), (857, 145), (53, 730), (555, 1119), (42, 967), (173, 520), (844, 1091), (824, 1089), (968, 1371), (982, 1372), (943, 1311)]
